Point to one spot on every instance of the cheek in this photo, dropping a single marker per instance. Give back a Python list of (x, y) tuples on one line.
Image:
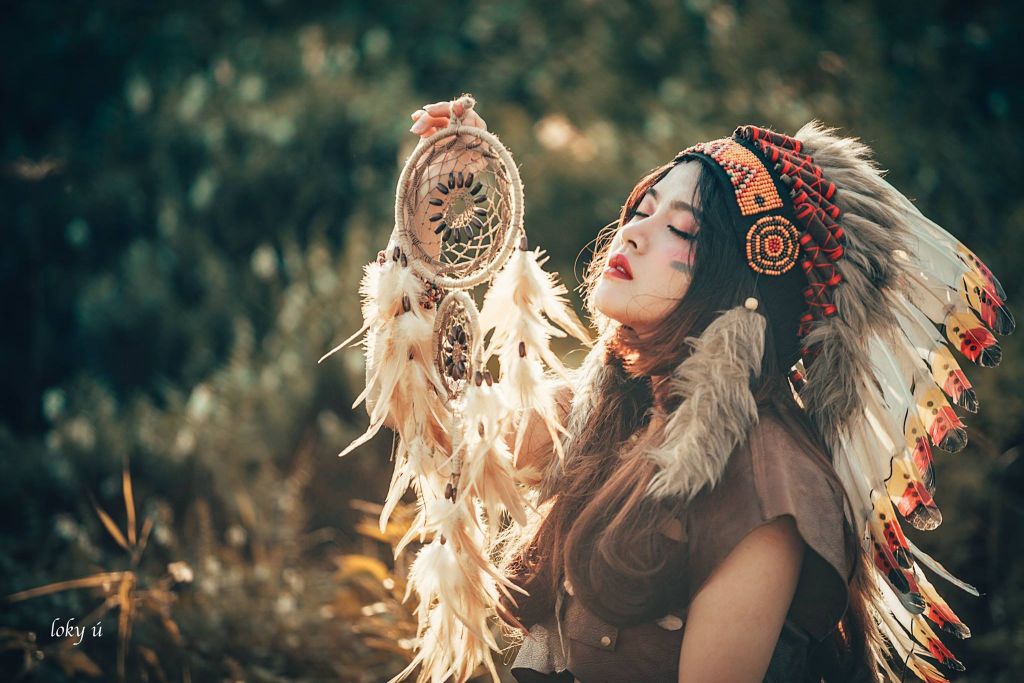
[(685, 254), (678, 268)]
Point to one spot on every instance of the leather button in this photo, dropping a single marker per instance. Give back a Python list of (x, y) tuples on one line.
[(670, 622), (583, 626)]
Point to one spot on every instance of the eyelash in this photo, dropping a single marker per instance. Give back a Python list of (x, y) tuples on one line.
[(675, 231), (685, 235)]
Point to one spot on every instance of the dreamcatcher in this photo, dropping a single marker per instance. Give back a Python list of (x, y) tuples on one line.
[(458, 225)]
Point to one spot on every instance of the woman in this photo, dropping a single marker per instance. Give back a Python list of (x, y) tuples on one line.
[(671, 271), (700, 529)]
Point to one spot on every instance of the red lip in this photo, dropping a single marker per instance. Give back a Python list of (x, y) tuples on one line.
[(618, 266)]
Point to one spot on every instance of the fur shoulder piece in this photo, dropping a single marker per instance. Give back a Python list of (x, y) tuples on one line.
[(717, 409)]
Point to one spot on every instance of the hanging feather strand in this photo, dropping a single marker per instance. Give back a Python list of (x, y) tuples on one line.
[(521, 335)]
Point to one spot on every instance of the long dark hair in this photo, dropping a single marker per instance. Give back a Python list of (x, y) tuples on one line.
[(601, 532)]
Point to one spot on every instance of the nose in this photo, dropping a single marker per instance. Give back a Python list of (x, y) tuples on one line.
[(635, 233)]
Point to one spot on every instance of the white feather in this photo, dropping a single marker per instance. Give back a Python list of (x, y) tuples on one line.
[(940, 252), (930, 562), (531, 390), (487, 474), (513, 306), (524, 284)]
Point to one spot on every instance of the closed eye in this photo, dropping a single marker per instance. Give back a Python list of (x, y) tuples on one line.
[(689, 236)]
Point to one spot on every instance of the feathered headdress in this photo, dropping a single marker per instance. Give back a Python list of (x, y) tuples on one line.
[(885, 290)]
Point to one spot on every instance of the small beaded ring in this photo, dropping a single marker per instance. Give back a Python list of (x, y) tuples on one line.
[(773, 245)]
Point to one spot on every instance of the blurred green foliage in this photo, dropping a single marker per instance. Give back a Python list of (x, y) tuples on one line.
[(191, 188)]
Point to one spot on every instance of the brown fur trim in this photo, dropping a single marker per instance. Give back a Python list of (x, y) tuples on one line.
[(716, 408)]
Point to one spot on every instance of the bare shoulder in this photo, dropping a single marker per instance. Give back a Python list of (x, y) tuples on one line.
[(753, 586)]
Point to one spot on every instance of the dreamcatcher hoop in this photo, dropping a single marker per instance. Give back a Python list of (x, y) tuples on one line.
[(458, 348), (476, 215)]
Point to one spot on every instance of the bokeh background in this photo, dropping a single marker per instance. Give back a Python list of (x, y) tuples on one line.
[(190, 189)]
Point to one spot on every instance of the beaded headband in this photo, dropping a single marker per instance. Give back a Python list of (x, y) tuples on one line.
[(784, 203)]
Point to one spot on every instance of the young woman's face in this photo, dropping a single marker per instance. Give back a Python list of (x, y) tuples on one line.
[(650, 262)]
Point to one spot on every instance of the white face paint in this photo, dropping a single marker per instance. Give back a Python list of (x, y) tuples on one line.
[(657, 243)]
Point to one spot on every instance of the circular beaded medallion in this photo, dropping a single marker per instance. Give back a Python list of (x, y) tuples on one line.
[(773, 244)]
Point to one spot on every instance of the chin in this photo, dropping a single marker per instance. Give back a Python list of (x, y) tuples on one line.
[(615, 315), (603, 304)]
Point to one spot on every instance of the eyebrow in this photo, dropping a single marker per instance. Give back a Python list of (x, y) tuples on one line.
[(677, 204)]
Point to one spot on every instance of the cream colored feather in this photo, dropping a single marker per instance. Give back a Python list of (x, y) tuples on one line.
[(523, 286), (488, 475), (447, 649), (457, 589), (521, 295), (439, 574), (458, 523), (414, 464), (402, 382), (487, 408), (487, 471), (532, 390), (457, 584)]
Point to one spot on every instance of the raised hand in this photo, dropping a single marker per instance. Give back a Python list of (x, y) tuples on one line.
[(438, 163), (434, 117)]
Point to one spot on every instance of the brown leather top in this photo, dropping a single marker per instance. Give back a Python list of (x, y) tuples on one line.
[(774, 474)]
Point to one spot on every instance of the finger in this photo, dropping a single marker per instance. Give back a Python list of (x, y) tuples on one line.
[(443, 109), (430, 131), (416, 114), (426, 122), (438, 108)]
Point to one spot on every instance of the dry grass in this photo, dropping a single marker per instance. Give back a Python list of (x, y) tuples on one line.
[(127, 591)]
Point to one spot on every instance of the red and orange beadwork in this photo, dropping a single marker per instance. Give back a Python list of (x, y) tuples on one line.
[(773, 245), (755, 190), (774, 242)]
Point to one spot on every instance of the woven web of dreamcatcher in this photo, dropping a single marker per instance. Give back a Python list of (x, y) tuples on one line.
[(456, 341), (459, 206)]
